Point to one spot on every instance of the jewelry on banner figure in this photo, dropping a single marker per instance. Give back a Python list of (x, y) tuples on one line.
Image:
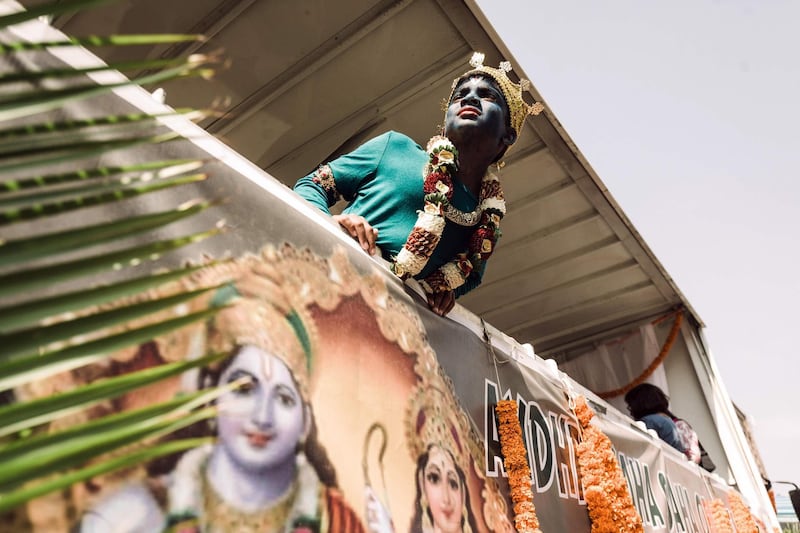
[(434, 213)]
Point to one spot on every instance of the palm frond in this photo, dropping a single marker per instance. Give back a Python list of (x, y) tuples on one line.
[(16, 498), (33, 367), (23, 282), (38, 210), (41, 247), (49, 9), (54, 317), (159, 168), (101, 40), (26, 103), (19, 416), (48, 128)]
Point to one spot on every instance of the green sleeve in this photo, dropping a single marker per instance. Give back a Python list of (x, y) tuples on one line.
[(349, 172)]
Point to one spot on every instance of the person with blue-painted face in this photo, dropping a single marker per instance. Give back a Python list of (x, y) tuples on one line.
[(434, 213)]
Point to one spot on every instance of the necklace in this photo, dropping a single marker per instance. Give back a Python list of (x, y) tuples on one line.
[(427, 230), (220, 516)]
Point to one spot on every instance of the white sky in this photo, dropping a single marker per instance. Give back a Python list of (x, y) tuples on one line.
[(688, 112)]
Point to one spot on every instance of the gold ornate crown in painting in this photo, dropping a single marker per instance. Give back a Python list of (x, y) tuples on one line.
[(518, 108), (434, 419), (259, 312)]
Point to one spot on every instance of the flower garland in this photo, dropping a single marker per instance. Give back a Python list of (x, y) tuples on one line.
[(742, 518), (516, 463), (719, 520), (427, 230), (606, 492), (673, 334)]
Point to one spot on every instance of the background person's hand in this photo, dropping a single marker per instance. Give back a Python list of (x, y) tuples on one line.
[(358, 228), (442, 303)]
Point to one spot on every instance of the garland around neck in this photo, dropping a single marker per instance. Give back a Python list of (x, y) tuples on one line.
[(431, 220)]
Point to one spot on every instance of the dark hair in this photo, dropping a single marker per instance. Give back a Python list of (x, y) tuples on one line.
[(647, 399), (416, 521)]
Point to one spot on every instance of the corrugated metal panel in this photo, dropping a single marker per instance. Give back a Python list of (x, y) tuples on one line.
[(311, 79)]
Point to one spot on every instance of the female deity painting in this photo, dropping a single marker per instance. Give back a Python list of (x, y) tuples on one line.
[(442, 502)]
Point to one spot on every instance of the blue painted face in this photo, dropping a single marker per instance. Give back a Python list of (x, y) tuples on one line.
[(261, 423), (477, 107)]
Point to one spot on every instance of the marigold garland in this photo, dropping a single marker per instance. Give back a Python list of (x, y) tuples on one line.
[(605, 490), (516, 463), (742, 517), (719, 521), (673, 334)]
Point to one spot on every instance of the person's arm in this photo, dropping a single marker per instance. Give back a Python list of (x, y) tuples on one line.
[(665, 429), (344, 176)]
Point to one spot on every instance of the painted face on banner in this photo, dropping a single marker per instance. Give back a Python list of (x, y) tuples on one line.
[(261, 423), (443, 490)]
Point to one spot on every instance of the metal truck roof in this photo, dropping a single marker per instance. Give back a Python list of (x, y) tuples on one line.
[(309, 80)]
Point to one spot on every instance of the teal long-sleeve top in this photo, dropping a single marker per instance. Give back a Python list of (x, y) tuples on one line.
[(382, 182)]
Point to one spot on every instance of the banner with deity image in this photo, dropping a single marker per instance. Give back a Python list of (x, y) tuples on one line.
[(343, 404), (351, 407)]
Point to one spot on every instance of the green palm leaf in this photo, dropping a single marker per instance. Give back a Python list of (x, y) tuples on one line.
[(102, 40), (32, 102), (14, 499), (39, 366), (12, 285), (20, 416), (47, 128), (27, 314), (38, 340), (14, 185), (39, 210), (29, 343), (49, 9), (43, 246)]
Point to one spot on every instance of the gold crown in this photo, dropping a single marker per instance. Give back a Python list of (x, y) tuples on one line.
[(259, 312), (518, 109), (434, 419)]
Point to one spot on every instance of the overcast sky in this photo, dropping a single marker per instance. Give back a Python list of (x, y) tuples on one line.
[(688, 112)]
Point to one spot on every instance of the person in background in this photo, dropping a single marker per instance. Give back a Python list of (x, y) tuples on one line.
[(649, 404)]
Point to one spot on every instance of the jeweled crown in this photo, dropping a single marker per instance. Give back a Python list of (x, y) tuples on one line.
[(434, 419), (518, 108), (256, 311)]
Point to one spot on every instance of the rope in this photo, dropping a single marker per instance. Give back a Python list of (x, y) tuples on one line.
[(490, 352), (673, 334)]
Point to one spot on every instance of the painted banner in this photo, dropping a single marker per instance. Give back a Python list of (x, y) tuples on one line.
[(351, 407), (342, 403)]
